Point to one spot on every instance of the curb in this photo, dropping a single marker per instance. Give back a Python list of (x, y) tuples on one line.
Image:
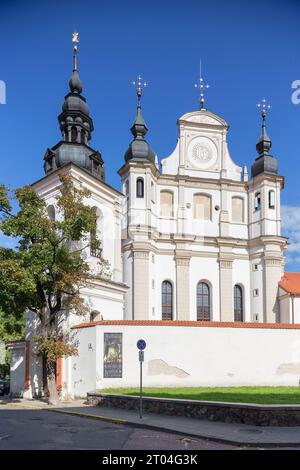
[(154, 427), (20, 405)]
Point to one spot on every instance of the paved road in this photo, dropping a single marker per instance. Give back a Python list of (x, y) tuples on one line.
[(41, 429)]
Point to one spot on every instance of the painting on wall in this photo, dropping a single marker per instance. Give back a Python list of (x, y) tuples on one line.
[(113, 359)]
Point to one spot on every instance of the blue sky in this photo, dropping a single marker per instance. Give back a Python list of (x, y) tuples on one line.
[(249, 50)]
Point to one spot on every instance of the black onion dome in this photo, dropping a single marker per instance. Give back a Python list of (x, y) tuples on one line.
[(139, 149), (264, 163)]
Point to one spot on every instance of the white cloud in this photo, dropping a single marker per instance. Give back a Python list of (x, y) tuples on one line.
[(290, 228)]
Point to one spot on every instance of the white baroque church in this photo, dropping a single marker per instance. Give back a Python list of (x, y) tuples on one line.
[(196, 256)]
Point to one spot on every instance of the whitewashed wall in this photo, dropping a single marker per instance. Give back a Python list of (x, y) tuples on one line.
[(179, 356)]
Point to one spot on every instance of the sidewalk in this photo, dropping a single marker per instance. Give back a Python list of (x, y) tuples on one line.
[(237, 434)]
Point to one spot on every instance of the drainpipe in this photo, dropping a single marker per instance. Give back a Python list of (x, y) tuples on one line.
[(293, 311)]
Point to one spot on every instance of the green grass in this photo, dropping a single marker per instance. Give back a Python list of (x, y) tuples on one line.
[(263, 395)]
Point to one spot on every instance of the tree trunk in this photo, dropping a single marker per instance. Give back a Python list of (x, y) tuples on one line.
[(51, 383)]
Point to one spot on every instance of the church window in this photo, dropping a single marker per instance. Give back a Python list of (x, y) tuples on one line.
[(271, 199), (96, 235), (202, 207), (257, 201), (83, 137), (127, 188), (203, 301), (96, 166), (238, 303), (73, 134), (140, 187), (166, 204), (237, 209), (152, 192), (167, 300), (51, 212), (255, 292)]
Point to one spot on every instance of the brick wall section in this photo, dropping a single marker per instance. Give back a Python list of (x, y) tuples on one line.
[(257, 415)]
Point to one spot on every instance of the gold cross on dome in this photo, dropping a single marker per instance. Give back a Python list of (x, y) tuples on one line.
[(201, 85), (75, 37), (140, 84), (264, 106)]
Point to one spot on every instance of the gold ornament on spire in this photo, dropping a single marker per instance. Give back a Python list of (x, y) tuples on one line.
[(140, 84), (75, 40), (201, 85), (264, 106)]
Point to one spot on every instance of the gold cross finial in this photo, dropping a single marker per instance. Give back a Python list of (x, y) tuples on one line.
[(140, 84), (75, 37), (201, 86), (264, 106), (75, 40)]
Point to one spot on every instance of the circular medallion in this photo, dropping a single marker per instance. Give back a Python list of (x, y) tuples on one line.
[(201, 153)]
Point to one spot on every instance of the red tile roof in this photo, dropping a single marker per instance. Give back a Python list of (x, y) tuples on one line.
[(211, 324), (290, 282)]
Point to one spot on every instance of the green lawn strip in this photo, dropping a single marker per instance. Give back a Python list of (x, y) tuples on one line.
[(262, 395)]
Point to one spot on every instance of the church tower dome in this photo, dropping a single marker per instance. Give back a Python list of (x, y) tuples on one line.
[(264, 163), (139, 149), (76, 127)]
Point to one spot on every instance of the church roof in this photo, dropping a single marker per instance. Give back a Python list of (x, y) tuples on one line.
[(290, 282)]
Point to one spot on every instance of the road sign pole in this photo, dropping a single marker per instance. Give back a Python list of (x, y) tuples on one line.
[(141, 389), (141, 345)]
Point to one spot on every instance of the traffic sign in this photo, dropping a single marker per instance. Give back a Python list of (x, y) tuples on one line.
[(141, 344), (141, 356)]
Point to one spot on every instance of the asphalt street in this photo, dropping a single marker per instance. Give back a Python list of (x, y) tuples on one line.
[(41, 429)]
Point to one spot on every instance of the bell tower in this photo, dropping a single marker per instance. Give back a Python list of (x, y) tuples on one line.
[(76, 127), (139, 179)]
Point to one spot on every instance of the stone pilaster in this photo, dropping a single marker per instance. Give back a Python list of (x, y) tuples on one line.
[(141, 285), (117, 271), (226, 290), (183, 288), (272, 275)]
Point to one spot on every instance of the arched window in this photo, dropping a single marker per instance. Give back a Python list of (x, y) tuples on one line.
[(271, 199), (257, 201), (51, 212), (127, 188), (73, 134), (140, 187), (166, 300), (202, 206), (96, 248), (166, 204), (83, 137), (203, 301), (152, 192), (238, 303), (237, 209)]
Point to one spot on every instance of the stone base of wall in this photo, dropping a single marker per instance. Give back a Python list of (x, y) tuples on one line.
[(257, 415)]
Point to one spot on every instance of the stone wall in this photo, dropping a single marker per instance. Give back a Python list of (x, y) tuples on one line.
[(258, 415)]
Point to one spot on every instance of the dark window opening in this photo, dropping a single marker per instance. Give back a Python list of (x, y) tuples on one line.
[(167, 300), (238, 303), (139, 187), (203, 302)]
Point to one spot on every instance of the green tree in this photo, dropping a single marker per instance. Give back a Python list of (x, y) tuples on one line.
[(47, 271)]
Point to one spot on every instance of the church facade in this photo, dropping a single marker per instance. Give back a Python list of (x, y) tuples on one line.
[(194, 242)]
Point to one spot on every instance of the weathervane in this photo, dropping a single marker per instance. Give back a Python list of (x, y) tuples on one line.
[(265, 107), (75, 40), (139, 87), (201, 85)]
